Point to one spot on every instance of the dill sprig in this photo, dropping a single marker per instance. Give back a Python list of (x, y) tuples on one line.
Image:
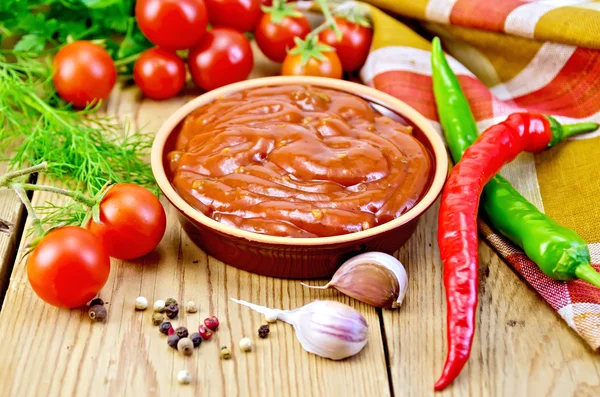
[(84, 150)]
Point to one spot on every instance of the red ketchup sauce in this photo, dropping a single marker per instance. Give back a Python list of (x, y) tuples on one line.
[(298, 161)]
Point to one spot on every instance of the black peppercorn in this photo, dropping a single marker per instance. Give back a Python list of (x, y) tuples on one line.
[(182, 332), (97, 313), (263, 331), (164, 327), (172, 311), (196, 339), (170, 302), (96, 302), (173, 340)]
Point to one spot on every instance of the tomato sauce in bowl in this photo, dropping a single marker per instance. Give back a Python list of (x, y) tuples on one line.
[(298, 161)]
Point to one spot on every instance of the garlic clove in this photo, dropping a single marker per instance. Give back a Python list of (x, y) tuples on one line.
[(331, 329), (326, 328), (375, 278)]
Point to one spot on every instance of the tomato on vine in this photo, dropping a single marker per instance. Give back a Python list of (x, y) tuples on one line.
[(353, 47), (319, 60), (172, 24), (84, 73), (131, 221), (159, 73), (241, 15), (277, 29), (223, 56), (68, 267), (312, 58)]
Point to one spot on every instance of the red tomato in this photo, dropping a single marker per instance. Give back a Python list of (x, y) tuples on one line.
[(241, 15), (83, 73), (68, 267), (223, 56), (159, 73), (329, 67), (274, 39), (132, 221), (172, 24), (354, 46)]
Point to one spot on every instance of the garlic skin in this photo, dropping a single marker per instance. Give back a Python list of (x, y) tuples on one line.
[(375, 278), (326, 328)]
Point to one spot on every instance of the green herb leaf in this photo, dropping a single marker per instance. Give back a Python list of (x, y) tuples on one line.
[(100, 3), (31, 42), (84, 150), (134, 41)]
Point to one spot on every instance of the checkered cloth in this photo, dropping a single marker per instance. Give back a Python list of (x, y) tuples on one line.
[(510, 56)]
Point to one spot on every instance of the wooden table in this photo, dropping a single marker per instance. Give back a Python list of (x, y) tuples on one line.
[(522, 347)]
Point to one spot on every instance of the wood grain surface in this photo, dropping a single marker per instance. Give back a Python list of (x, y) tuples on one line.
[(522, 348), (11, 217)]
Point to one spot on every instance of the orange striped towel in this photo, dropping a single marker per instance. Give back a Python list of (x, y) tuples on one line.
[(514, 55)]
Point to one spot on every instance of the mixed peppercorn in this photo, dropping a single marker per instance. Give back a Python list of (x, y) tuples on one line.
[(179, 337)]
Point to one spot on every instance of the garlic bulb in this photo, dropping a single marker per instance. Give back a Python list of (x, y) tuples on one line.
[(375, 278), (326, 328)]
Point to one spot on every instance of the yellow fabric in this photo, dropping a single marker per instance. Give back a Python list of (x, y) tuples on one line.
[(393, 32), (410, 8), (508, 54), (570, 185), (571, 25)]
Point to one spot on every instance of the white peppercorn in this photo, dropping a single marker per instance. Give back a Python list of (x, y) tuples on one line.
[(159, 306), (184, 377), (245, 344), (141, 303)]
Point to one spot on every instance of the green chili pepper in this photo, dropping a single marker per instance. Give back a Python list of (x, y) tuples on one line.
[(558, 251)]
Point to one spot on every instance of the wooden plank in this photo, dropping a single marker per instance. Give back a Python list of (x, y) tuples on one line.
[(53, 352), (522, 347), (11, 211)]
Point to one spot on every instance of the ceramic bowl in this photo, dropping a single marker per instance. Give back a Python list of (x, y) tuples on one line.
[(298, 257)]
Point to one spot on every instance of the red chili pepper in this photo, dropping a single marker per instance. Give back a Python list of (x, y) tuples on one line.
[(457, 223)]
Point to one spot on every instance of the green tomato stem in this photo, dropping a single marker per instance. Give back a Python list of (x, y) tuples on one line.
[(127, 60), (587, 273), (9, 176), (35, 221), (90, 202), (329, 21)]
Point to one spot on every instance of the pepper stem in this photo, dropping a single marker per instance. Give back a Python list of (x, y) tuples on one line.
[(578, 128), (587, 273)]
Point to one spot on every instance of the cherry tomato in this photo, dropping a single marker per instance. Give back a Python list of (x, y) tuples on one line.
[(241, 15), (159, 73), (354, 46), (274, 39), (83, 73), (172, 24), (328, 67), (68, 267), (132, 221), (223, 56)]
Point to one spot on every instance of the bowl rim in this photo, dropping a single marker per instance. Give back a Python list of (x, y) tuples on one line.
[(439, 153)]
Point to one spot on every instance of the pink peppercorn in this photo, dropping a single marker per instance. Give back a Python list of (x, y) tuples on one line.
[(171, 331), (204, 332), (211, 323)]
